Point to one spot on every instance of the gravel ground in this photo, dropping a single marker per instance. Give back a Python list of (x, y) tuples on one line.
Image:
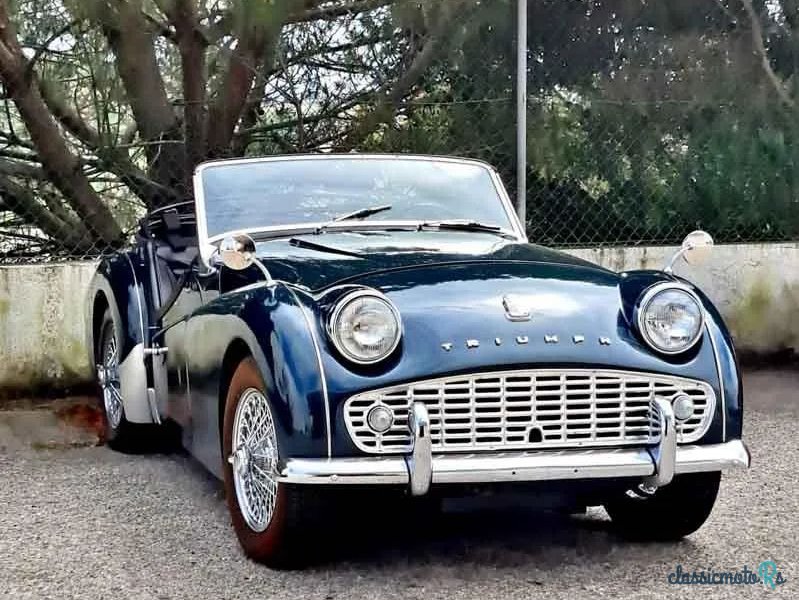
[(89, 523)]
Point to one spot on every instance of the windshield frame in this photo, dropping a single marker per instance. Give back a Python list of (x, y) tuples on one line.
[(208, 244)]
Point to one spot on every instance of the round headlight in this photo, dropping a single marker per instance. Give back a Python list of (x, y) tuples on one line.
[(670, 318), (365, 327)]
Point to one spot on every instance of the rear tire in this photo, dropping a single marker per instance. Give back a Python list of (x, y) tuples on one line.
[(120, 434), (271, 519), (671, 513)]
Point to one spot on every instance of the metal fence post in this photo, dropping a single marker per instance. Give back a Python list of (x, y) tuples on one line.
[(521, 113)]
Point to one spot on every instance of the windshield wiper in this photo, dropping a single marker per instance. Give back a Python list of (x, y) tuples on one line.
[(363, 213), (466, 225), (300, 243)]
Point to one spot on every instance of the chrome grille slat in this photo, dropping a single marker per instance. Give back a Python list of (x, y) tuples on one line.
[(531, 409)]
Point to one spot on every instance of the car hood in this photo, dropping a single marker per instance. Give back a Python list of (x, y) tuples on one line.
[(365, 253), (454, 316)]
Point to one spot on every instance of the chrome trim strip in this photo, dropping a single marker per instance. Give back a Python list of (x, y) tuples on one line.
[(723, 402), (317, 350), (346, 471), (153, 404), (514, 466)]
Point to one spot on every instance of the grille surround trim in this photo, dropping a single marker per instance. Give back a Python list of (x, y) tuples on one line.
[(495, 409)]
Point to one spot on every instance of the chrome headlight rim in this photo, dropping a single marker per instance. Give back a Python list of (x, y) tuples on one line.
[(643, 303), (345, 301)]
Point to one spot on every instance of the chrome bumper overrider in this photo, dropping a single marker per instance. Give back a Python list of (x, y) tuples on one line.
[(420, 468)]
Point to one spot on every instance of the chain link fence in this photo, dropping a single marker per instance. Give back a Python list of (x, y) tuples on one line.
[(646, 119)]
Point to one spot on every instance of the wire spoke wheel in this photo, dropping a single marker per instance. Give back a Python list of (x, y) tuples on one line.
[(108, 377), (254, 459)]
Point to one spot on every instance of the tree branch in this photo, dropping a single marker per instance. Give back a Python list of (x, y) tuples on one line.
[(392, 94), (182, 15), (40, 50), (113, 158), (760, 47), (334, 11), (21, 201), (256, 46), (47, 139), (132, 41)]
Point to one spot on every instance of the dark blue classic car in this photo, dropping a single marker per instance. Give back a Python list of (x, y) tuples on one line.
[(312, 322)]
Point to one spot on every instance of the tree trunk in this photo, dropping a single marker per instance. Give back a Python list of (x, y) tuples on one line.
[(257, 43), (183, 16), (131, 39), (21, 201)]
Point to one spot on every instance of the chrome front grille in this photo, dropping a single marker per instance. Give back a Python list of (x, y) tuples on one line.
[(531, 409)]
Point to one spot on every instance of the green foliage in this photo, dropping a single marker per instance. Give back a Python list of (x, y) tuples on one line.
[(647, 118)]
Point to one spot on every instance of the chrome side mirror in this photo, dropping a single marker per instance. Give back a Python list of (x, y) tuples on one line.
[(695, 249), (237, 252)]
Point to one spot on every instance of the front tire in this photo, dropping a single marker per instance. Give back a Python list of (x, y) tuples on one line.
[(120, 434), (670, 513), (270, 518)]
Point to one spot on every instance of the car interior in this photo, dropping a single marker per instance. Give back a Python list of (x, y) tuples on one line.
[(169, 237)]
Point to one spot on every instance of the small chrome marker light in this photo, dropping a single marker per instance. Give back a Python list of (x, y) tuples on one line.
[(380, 419), (683, 406), (365, 327)]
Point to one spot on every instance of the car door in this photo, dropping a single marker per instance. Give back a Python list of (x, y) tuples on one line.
[(190, 296)]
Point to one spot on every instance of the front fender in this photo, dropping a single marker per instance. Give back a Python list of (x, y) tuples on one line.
[(730, 381), (728, 421), (273, 325), (117, 281)]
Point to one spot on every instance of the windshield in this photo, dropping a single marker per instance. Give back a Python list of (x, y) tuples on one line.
[(252, 195)]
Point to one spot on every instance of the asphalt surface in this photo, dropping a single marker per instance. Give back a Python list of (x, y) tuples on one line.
[(90, 523)]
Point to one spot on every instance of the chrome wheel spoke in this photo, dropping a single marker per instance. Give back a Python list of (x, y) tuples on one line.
[(108, 376), (254, 459)]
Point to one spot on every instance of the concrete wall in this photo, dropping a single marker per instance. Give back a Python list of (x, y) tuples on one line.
[(42, 307), (755, 286), (42, 335)]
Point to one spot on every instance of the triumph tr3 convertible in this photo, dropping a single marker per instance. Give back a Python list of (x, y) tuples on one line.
[(312, 322)]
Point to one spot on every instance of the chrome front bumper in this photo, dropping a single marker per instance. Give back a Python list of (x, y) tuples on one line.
[(420, 468)]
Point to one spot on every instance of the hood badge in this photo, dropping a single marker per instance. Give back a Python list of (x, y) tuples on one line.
[(515, 309), (523, 340)]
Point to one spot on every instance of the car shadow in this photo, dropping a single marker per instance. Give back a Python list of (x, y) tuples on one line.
[(366, 532), (489, 537)]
